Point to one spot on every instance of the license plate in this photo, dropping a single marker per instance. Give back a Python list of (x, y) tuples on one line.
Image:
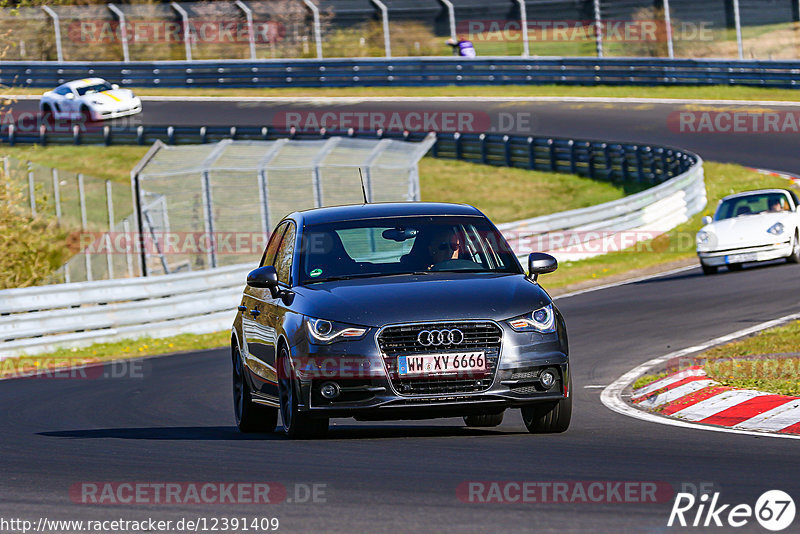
[(740, 258), (441, 364)]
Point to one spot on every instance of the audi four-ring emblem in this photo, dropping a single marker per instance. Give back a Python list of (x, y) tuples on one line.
[(435, 338)]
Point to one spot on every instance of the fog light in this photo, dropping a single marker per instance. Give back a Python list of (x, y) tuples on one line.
[(330, 390), (547, 379)]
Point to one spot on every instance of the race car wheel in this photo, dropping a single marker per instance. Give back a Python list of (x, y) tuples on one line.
[(86, 115), (550, 418), (794, 257), (709, 269), (296, 424), (47, 115), (484, 420), (250, 417)]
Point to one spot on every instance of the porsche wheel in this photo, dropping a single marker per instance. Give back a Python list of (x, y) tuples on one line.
[(794, 257)]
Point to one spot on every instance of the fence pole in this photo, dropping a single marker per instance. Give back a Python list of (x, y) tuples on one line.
[(738, 23), (208, 215), (317, 26), (126, 228), (523, 20), (57, 27), (668, 23), (84, 227), (123, 31), (451, 16), (251, 36), (186, 31), (31, 189), (598, 28), (387, 45), (57, 195), (109, 239)]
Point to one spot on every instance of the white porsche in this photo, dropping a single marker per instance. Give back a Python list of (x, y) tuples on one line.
[(91, 99), (751, 226)]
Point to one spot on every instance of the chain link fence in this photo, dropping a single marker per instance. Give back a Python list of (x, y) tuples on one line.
[(262, 29)]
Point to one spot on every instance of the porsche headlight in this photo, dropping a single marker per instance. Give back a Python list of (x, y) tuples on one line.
[(323, 332), (703, 237), (776, 229), (542, 320)]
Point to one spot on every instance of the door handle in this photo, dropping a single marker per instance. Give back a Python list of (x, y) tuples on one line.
[(254, 312)]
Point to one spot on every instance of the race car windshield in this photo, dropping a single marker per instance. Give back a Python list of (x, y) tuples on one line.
[(403, 245), (96, 88), (751, 205)]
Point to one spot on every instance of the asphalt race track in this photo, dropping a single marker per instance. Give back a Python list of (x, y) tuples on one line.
[(173, 421)]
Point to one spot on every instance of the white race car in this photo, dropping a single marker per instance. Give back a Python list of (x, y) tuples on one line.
[(91, 99), (751, 226)]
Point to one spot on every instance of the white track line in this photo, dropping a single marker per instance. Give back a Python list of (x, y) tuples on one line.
[(357, 99), (775, 419), (667, 381), (677, 393), (612, 395), (716, 404)]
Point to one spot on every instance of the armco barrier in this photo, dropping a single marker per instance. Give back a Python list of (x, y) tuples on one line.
[(407, 71)]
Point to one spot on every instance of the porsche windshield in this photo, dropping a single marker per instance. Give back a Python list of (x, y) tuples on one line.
[(96, 88), (752, 205), (403, 245)]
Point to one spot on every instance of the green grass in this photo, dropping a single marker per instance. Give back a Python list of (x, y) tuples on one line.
[(108, 163), (118, 350), (719, 92)]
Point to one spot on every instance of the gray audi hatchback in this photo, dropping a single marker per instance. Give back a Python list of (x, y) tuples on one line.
[(397, 311)]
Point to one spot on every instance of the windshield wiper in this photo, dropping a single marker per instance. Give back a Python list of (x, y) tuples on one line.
[(362, 275)]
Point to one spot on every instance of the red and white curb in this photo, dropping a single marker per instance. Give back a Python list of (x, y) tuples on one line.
[(691, 396), (757, 424)]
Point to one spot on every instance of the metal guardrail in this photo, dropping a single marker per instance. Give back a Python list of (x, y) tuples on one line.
[(39, 319), (407, 71)]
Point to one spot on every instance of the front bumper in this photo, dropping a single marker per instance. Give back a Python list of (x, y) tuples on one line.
[(745, 254), (368, 393), (129, 108)]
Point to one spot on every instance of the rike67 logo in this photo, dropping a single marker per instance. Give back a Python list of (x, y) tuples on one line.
[(774, 510)]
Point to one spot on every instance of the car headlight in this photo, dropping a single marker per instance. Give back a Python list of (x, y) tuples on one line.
[(703, 237), (323, 331), (776, 229), (542, 320)]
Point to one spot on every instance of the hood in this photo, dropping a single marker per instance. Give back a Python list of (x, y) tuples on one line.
[(112, 97), (414, 298), (748, 230)]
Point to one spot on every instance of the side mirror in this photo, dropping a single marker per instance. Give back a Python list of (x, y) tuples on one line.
[(541, 263), (115, 86), (263, 277), (706, 220)]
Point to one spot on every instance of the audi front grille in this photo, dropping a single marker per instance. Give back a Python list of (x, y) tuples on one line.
[(413, 339)]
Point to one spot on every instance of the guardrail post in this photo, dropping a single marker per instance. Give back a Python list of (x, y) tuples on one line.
[(31, 189), (107, 135), (507, 150), (123, 31), (598, 28), (573, 156), (84, 227), (553, 155), (457, 144), (531, 154), (317, 26), (76, 134), (170, 135), (737, 21), (140, 135), (203, 135), (624, 165), (387, 45), (251, 35), (42, 135), (57, 27), (484, 149), (12, 130), (668, 23), (590, 159), (607, 161), (57, 195), (523, 18), (639, 163), (187, 35), (109, 238)]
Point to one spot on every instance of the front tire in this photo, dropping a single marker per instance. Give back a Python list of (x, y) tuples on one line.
[(550, 418), (484, 420), (709, 269), (794, 257), (250, 417), (296, 424)]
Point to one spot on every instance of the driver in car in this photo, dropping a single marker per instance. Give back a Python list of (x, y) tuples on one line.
[(443, 246), (776, 204)]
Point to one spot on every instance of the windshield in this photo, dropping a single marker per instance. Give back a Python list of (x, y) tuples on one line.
[(402, 245), (96, 88), (751, 205)]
